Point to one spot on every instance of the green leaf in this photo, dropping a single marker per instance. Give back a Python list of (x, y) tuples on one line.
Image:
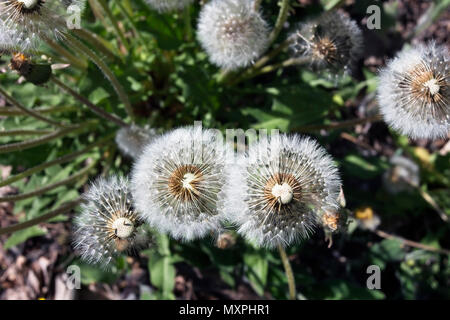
[(23, 235), (257, 269)]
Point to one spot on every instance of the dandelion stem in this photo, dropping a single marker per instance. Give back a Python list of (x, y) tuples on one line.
[(282, 17), (99, 111), (429, 199), (187, 23), (19, 146), (257, 4), (97, 42), (289, 273), (115, 24), (10, 112), (45, 217), (339, 125), (60, 160), (73, 60), (9, 133), (27, 111), (410, 243), (106, 70), (69, 180)]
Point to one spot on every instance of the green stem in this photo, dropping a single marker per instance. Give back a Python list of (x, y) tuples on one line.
[(106, 70), (27, 224), (115, 24), (9, 133), (19, 146), (63, 159), (133, 24), (27, 111), (257, 5), (73, 60), (98, 43), (282, 17), (10, 112), (99, 111), (69, 180), (340, 125), (289, 273), (187, 23)]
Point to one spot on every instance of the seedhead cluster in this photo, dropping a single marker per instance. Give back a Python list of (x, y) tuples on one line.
[(414, 92), (108, 225), (232, 32), (276, 194), (331, 42)]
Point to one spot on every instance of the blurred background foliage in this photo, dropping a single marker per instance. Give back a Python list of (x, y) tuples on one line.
[(171, 83)]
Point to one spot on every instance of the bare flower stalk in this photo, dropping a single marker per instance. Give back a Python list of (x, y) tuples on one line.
[(282, 17), (115, 24), (100, 112), (70, 58), (69, 180), (340, 125), (10, 133), (60, 160), (27, 111), (14, 111), (66, 207), (289, 273), (79, 46), (97, 42), (19, 146)]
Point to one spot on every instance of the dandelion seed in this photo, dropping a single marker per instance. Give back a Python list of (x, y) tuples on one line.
[(177, 183), (332, 42), (168, 5), (108, 225), (414, 92), (232, 32), (132, 140), (280, 188), (31, 21)]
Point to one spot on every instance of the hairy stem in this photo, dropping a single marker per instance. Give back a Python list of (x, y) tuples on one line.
[(27, 224), (289, 273), (339, 125), (282, 17), (78, 45), (69, 180), (27, 111), (9, 133), (97, 42), (115, 24), (60, 160), (410, 243), (14, 111), (19, 146), (99, 111), (73, 60)]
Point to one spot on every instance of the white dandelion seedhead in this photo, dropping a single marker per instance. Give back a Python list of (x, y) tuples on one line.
[(178, 180), (7, 43), (232, 32), (414, 92), (107, 225), (30, 21), (280, 189), (132, 140), (331, 42), (168, 5)]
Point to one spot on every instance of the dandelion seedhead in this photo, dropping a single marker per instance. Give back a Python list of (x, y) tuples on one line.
[(108, 225), (168, 5), (414, 92), (331, 42), (280, 188), (404, 175), (178, 180), (132, 140), (30, 21), (232, 32)]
